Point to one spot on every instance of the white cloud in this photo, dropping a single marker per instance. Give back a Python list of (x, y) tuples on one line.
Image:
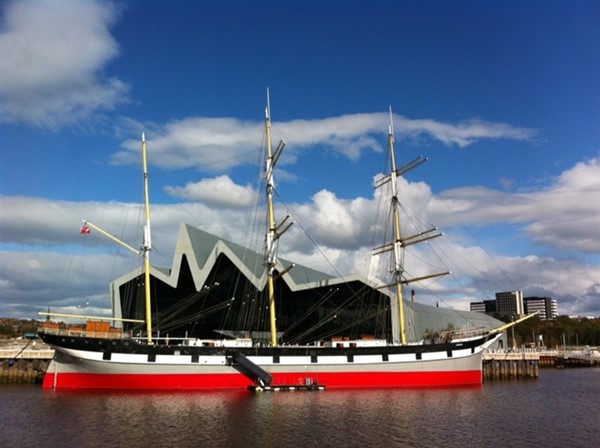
[(217, 191), (52, 57), (218, 144), (464, 133), (564, 215), (50, 282), (34, 223), (210, 144), (332, 220)]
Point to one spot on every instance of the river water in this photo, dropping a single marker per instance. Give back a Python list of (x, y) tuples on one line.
[(560, 409)]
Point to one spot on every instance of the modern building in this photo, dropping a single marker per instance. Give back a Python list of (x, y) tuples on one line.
[(510, 303), (216, 287), (487, 307), (546, 307), (513, 304)]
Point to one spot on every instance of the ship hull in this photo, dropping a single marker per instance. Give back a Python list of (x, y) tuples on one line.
[(79, 363), (198, 381)]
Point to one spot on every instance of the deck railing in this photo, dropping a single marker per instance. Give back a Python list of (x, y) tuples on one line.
[(81, 332)]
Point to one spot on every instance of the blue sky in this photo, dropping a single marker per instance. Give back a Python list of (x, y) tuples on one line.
[(502, 97)]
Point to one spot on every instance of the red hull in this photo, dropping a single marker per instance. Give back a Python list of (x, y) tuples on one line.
[(236, 381)]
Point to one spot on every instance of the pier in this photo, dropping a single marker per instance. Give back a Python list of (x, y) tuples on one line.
[(526, 362), (509, 365), (577, 357)]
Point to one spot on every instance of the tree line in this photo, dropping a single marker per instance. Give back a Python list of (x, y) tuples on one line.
[(14, 328), (564, 330)]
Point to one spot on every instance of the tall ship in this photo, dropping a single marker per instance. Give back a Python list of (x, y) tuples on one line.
[(130, 353)]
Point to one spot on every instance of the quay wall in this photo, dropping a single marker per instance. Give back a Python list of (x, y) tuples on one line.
[(500, 365), (23, 370), (548, 361), (24, 361), (526, 362), (578, 358)]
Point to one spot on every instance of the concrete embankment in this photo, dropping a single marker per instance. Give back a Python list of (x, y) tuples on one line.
[(23, 361)]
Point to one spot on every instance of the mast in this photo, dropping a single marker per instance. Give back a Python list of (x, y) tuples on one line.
[(271, 256), (398, 249), (274, 231), (147, 244), (399, 243), (145, 248)]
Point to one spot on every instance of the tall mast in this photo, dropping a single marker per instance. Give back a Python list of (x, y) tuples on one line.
[(147, 244), (398, 249), (145, 248), (399, 243), (274, 231)]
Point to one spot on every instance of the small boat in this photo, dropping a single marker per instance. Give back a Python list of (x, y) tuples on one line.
[(101, 355)]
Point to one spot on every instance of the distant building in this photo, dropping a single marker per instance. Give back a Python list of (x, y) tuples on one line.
[(487, 306), (477, 307), (510, 303), (546, 307)]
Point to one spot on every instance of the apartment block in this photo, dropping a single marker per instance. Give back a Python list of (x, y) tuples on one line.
[(546, 307)]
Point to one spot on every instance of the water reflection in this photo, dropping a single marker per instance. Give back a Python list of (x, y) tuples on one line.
[(240, 418), (557, 410)]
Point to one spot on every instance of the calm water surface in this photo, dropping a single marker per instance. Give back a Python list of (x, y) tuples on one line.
[(560, 409)]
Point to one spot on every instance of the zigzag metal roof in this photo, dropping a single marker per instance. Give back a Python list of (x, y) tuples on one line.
[(202, 250)]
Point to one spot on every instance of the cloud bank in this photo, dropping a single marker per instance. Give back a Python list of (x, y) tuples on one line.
[(563, 215), (342, 230), (53, 59)]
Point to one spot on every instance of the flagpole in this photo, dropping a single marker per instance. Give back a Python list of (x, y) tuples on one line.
[(85, 229)]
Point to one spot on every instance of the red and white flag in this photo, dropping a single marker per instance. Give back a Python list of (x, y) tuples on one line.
[(85, 229)]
